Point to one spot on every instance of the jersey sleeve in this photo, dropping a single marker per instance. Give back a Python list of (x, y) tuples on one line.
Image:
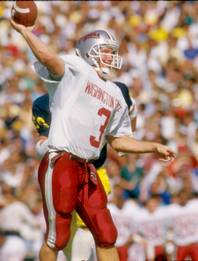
[(44, 74), (73, 66), (121, 124)]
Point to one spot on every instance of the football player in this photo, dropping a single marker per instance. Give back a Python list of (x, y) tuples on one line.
[(42, 118), (87, 111)]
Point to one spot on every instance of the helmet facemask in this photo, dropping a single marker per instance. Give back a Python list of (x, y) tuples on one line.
[(97, 55)]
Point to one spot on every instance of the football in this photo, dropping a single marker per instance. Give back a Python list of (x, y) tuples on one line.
[(24, 12)]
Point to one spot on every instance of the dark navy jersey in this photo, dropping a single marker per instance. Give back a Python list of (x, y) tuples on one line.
[(42, 118), (125, 92), (41, 115), (101, 160)]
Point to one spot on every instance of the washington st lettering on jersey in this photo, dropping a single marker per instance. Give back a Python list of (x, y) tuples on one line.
[(98, 93), (42, 116)]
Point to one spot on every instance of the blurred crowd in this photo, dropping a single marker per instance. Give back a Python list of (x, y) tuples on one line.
[(159, 46)]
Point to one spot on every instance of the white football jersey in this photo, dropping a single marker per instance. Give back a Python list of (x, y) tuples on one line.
[(122, 224), (84, 108), (152, 226), (185, 223)]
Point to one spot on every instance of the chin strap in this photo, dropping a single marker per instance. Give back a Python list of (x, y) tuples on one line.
[(104, 72)]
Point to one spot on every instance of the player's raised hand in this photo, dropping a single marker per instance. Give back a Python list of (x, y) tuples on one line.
[(164, 153), (19, 27)]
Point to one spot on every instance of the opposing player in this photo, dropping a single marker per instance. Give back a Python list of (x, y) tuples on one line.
[(183, 217), (41, 118), (87, 110)]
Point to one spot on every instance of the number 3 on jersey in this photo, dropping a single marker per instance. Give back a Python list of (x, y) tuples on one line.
[(93, 140)]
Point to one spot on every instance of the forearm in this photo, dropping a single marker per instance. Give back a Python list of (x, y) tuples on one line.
[(129, 145), (43, 53)]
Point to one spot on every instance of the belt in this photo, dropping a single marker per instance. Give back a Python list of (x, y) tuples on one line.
[(58, 154), (81, 160)]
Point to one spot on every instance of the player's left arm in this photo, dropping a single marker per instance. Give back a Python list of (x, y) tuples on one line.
[(129, 145)]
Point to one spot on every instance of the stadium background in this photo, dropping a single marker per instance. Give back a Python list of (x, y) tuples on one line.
[(159, 45)]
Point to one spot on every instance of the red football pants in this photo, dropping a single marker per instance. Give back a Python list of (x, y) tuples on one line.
[(68, 185), (187, 251), (160, 254)]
